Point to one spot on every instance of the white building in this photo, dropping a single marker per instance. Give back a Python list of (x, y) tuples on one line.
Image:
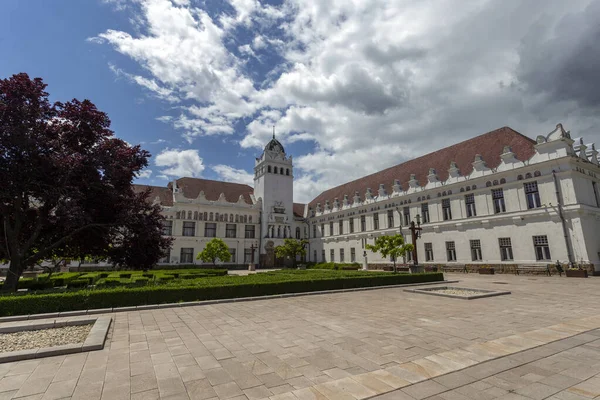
[(498, 199)]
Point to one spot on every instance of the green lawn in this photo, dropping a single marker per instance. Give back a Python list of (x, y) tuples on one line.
[(191, 288)]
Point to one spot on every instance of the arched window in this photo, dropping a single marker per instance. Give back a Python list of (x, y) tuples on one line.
[(449, 192), (462, 190), (297, 233), (439, 194), (237, 218), (537, 173), (281, 171), (520, 177), (444, 193), (269, 169), (468, 188), (230, 217), (210, 216), (178, 215), (418, 198), (205, 216), (502, 181), (428, 197), (409, 201), (245, 219), (287, 171), (250, 219), (495, 182), (225, 217), (196, 215), (189, 215), (275, 169), (488, 184), (528, 175)]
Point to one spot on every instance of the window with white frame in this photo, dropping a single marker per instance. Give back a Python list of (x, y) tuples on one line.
[(375, 221), (363, 223), (248, 256), (506, 253), (230, 230), (331, 229), (450, 251), (315, 256), (475, 250), (424, 213), (446, 210), (428, 251), (314, 233), (470, 205), (390, 218), (189, 228), (187, 255), (542, 250), (533, 195), (498, 198), (341, 227), (406, 214), (332, 255), (167, 228), (232, 255), (341, 255), (351, 225), (322, 230), (249, 232), (210, 229), (167, 258), (352, 254), (323, 255)]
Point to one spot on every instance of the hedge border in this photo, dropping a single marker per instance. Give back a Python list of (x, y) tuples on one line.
[(109, 299)]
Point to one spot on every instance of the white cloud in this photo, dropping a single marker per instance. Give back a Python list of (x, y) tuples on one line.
[(144, 174), (179, 163), (230, 174), (369, 82)]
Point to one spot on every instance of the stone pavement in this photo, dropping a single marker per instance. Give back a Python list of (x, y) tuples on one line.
[(330, 347)]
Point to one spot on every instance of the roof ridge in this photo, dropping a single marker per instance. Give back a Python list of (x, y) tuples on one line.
[(214, 180)]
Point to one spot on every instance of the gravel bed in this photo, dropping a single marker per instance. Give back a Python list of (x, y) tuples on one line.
[(457, 292), (43, 338)]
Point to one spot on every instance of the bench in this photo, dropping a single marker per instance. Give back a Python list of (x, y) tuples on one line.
[(545, 269), (455, 268)]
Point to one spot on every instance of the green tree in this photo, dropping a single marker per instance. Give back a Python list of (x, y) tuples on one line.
[(215, 250), (291, 248), (390, 246)]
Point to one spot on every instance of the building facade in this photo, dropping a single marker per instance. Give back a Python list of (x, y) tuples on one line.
[(498, 199)]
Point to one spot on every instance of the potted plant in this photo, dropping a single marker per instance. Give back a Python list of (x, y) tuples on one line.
[(486, 270), (574, 272)]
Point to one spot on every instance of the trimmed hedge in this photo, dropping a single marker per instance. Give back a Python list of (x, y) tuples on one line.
[(216, 288), (335, 266)]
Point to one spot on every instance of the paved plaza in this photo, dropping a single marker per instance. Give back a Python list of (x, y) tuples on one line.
[(542, 341)]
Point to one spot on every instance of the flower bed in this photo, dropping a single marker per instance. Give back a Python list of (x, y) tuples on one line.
[(263, 284)]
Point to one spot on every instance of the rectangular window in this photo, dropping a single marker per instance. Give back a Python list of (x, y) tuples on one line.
[(446, 209), (322, 230), (232, 256), (187, 255), (332, 255), (314, 234), (390, 215), (341, 255), (428, 251), (323, 256), (409, 256), (351, 224), (189, 228), (249, 232), (595, 189), (542, 250), (167, 228), (352, 254), (375, 221), (498, 197), (363, 223), (475, 250), (450, 251), (230, 230), (533, 195), (425, 213), (210, 229), (331, 229), (248, 256), (341, 227), (506, 253), (315, 256), (406, 212), (167, 258), (470, 204)]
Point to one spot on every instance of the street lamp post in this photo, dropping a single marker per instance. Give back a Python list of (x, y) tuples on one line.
[(251, 266), (415, 231)]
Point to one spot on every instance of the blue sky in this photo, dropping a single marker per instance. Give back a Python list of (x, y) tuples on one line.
[(352, 86)]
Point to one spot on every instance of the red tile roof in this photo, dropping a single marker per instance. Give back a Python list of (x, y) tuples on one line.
[(191, 187), (163, 193), (489, 145), (299, 209)]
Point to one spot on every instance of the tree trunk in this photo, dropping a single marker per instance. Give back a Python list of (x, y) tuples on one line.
[(12, 277), (395, 265)]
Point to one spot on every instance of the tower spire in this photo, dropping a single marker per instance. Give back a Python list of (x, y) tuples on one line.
[(273, 131)]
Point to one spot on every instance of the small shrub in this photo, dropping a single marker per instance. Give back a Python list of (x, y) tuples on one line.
[(125, 275), (149, 276), (111, 282), (78, 283), (165, 278), (41, 285), (25, 283), (103, 275), (140, 281)]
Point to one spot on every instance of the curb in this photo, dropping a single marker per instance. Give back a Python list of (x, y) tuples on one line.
[(205, 302)]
